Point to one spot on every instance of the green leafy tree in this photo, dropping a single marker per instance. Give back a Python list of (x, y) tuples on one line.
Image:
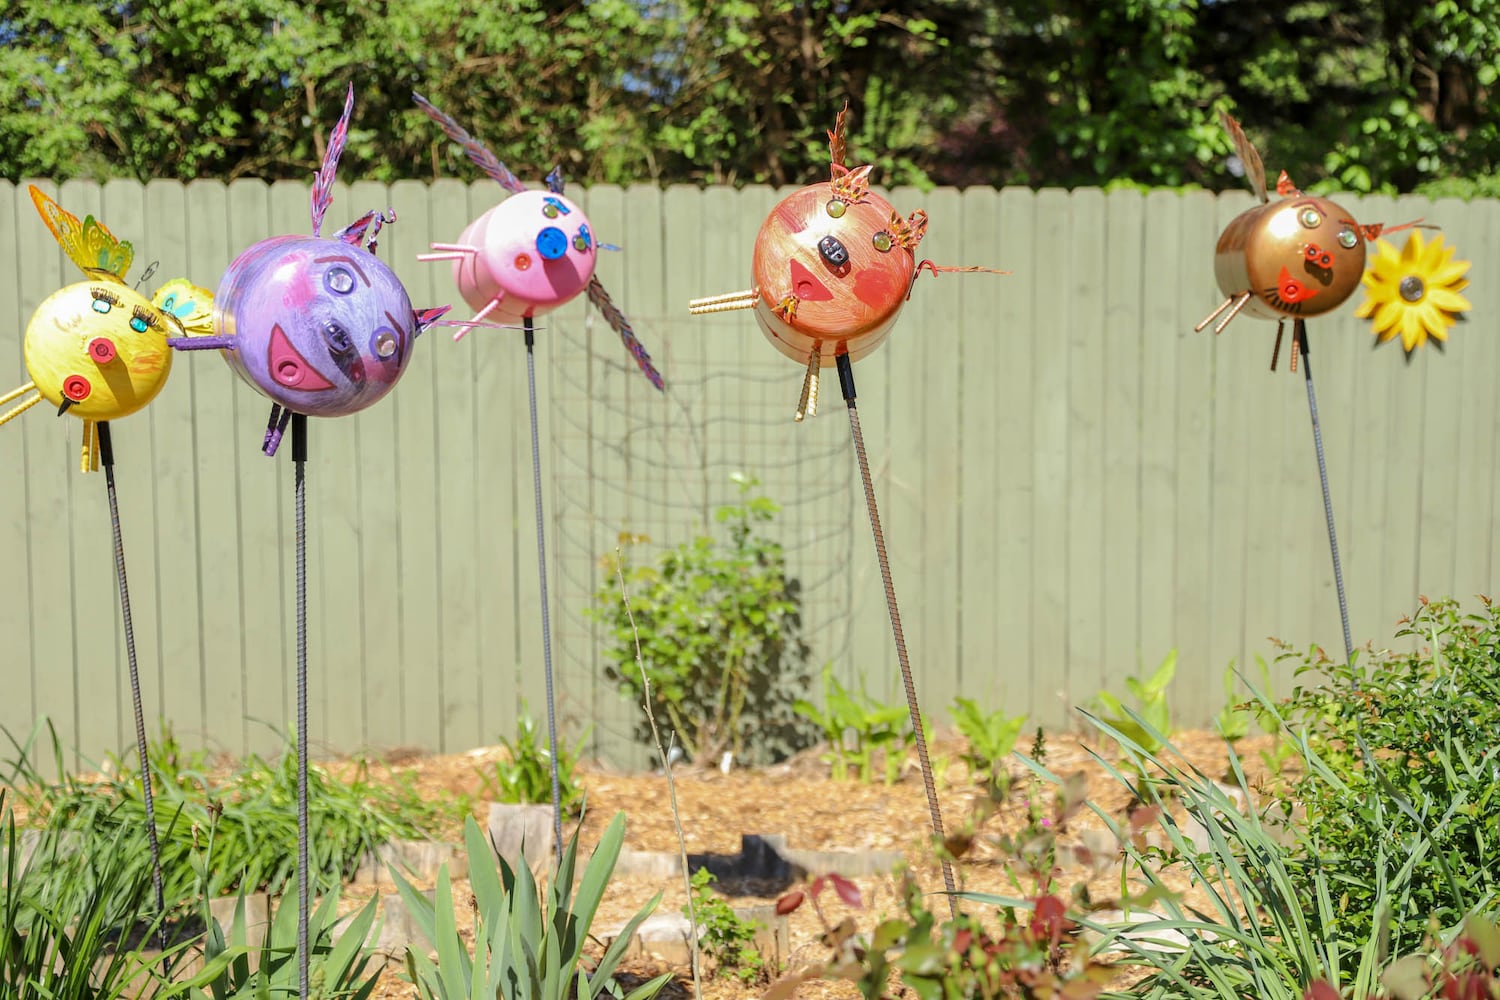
[(1393, 96)]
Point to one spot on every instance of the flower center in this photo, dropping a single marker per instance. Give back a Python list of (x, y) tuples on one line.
[(1412, 289)]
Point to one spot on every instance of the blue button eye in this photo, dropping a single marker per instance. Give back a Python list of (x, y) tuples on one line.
[(102, 305), (138, 324)]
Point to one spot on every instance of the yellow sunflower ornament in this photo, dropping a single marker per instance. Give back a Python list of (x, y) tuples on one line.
[(1415, 292)]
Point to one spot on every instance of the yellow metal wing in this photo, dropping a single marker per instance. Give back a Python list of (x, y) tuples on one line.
[(189, 306), (89, 243)]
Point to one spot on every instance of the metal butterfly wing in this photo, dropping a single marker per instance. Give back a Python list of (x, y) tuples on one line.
[(607, 308), (1255, 170), (616, 319), (89, 243), (482, 157)]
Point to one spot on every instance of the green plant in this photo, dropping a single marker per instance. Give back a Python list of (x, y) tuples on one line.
[(1466, 968), (1410, 738), (720, 631), (526, 947), (856, 727), (727, 937), (71, 924), (1023, 949), (991, 738), (337, 969), (1151, 704), (249, 815), (1266, 910), (526, 777)]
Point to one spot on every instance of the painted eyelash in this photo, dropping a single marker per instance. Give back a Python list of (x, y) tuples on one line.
[(104, 295), (1273, 296), (147, 316)]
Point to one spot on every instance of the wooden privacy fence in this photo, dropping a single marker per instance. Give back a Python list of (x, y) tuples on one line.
[(1072, 481)]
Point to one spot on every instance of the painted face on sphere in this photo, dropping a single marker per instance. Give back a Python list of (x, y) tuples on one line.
[(322, 327), (536, 251), (831, 271), (1300, 256), (99, 347)]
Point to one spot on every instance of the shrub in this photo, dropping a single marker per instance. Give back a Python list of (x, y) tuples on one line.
[(725, 936), (1410, 738), (721, 639)]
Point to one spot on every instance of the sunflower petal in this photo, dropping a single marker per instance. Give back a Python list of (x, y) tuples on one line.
[(1411, 329), (1448, 300)]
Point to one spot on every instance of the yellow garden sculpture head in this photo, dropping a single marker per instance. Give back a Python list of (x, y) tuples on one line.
[(98, 349)]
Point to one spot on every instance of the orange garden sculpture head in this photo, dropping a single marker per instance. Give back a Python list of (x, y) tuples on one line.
[(834, 263), (1295, 258)]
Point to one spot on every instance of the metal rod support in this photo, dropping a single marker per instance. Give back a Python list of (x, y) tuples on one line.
[(107, 456), (304, 887), (846, 383), (1299, 343), (541, 569)]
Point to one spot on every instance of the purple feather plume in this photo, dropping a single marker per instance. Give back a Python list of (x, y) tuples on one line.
[(322, 191)]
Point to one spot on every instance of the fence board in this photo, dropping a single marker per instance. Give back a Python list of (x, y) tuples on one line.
[(18, 710), (1072, 481)]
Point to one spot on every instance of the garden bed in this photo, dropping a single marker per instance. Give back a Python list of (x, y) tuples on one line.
[(798, 800)]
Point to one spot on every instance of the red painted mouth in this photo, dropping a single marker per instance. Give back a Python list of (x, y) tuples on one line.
[(805, 284), (290, 368), (1292, 290)]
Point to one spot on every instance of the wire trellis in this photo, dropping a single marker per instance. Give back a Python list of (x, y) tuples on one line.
[(645, 474)]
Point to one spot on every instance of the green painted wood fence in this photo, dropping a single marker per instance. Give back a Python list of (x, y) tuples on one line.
[(1072, 481)]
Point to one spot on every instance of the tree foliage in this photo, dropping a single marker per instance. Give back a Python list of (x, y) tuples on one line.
[(1388, 95)]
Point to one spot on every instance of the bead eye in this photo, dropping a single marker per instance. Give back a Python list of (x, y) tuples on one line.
[(1310, 217), (550, 210), (836, 208), (339, 280), (882, 241), (1348, 238), (338, 338), (139, 324), (383, 344)]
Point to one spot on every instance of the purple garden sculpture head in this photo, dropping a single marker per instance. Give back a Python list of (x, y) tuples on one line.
[(317, 324)]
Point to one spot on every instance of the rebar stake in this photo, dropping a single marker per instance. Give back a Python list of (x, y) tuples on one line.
[(107, 459), (304, 890), (846, 384)]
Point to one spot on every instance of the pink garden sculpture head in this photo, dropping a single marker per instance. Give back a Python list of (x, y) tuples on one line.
[(530, 254)]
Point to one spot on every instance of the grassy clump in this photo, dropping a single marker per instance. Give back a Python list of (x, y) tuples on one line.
[(219, 831)]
